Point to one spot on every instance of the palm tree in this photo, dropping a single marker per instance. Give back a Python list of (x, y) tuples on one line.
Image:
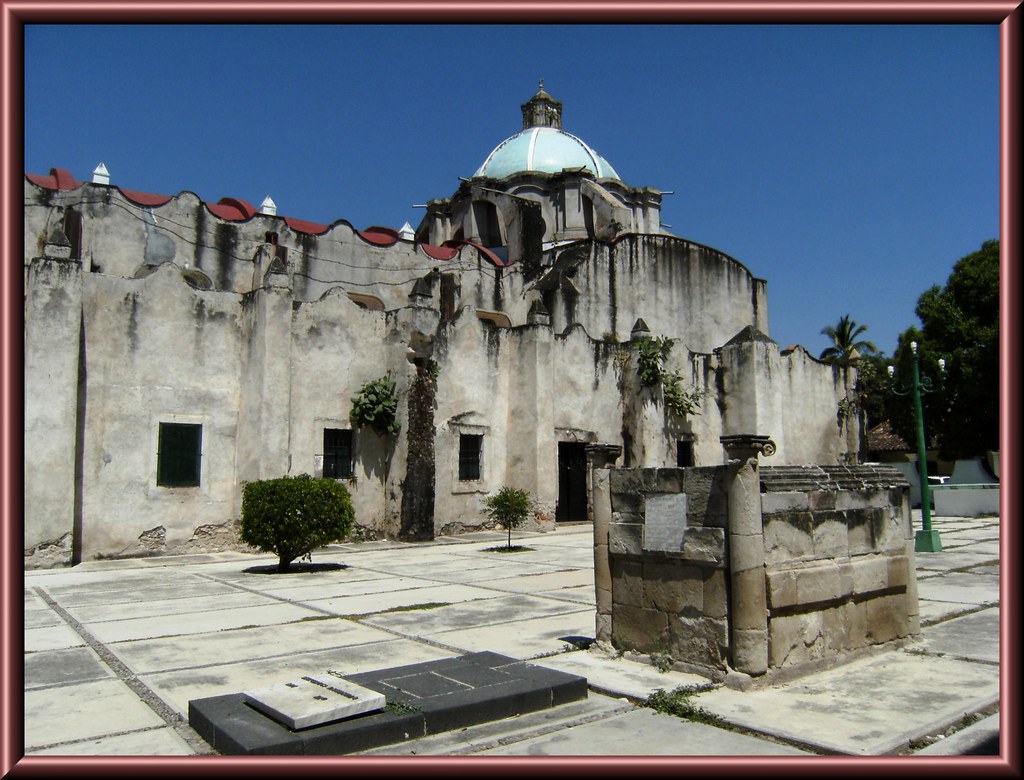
[(845, 346)]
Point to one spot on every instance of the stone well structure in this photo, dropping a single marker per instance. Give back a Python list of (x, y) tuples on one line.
[(753, 574)]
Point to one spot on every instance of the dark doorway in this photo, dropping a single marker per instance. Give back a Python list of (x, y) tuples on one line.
[(572, 481)]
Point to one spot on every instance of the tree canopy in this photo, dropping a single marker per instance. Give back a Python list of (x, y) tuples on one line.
[(959, 323)]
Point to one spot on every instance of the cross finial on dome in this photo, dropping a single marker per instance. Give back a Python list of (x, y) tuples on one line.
[(540, 85)]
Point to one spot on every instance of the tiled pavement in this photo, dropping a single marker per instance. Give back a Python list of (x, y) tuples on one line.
[(114, 651)]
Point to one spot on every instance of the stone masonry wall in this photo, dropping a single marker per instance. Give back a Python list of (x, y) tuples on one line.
[(839, 561), (838, 564), (663, 600)]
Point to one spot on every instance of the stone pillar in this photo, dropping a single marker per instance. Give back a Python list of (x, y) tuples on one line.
[(600, 458), (52, 403), (262, 443), (748, 606)]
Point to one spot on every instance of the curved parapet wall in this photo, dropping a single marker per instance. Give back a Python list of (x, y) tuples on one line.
[(686, 291), (112, 229)]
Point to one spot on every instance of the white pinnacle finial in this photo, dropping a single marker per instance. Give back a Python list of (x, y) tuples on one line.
[(406, 232), (268, 206), (101, 175)]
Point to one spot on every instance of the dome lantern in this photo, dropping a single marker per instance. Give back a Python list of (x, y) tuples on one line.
[(542, 110)]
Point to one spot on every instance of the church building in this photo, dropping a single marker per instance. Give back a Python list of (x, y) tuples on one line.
[(176, 349)]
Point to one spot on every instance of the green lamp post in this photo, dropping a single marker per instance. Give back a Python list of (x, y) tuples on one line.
[(927, 539)]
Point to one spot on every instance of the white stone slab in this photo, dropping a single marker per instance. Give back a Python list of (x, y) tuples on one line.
[(665, 522), (312, 700)]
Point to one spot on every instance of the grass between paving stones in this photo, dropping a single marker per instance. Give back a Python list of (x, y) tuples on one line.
[(677, 703), (407, 608)]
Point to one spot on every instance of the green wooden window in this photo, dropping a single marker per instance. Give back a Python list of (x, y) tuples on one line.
[(179, 454), (470, 446), (337, 453)]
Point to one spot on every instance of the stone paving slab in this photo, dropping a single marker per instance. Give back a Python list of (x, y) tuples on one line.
[(643, 732), (484, 573), (177, 688), (243, 644), (966, 588), (370, 603), (524, 638), (42, 617), (872, 706), (85, 710), (608, 673), (932, 611), (439, 696), (503, 611), (63, 667), (354, 583), (978, 739), (583, 594), (952, 559), (82, 596), (150, 742), (51, 638), (537, 583), (974, 637), (199, 622), (163, 607)]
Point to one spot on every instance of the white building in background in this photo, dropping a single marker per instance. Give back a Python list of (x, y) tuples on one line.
[(175, 349)]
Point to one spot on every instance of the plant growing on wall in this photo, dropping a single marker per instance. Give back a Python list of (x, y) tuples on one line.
[(651, 356), (376, 405), (678, 400), (509, 507), (292, 516)]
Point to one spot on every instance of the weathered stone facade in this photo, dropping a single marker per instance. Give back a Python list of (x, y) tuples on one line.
[(148, 313), (824, 570)]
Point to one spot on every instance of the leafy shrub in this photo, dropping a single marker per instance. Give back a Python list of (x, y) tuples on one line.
[(292, 516), (652, 353), (376, 405), (678, 400), (509, 507), (650, 357)]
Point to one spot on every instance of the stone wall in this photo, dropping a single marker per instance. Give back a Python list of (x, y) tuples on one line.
[(838, 565), (839, 561), (666, 588)]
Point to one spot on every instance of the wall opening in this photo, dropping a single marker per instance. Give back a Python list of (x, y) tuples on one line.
[(179, 454), (684, 453), (73, 230), (486, 215), (572, 481), (337, 453), (470, 451)]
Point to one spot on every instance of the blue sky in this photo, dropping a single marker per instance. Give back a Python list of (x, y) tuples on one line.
[(851, 166)]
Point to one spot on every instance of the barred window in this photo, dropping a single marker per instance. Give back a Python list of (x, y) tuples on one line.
[(470, 446), (337, 453), (179, 454)]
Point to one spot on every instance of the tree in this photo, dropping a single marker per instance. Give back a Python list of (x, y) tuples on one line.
[(292, 516), (844, 335), (509, 507), (960, 323)]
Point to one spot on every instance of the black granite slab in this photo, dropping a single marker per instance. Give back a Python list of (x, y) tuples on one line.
[(438, 696)]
